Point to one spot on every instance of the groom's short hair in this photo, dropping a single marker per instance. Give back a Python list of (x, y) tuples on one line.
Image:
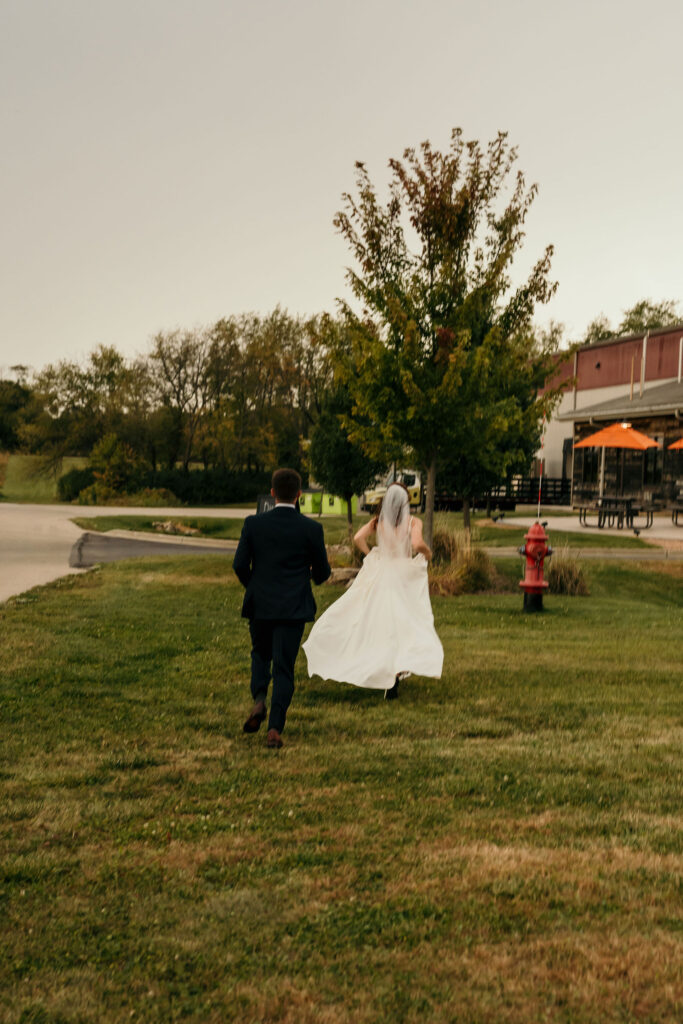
[(286, 484)]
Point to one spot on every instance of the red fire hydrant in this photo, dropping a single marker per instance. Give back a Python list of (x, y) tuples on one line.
[(536, 551)]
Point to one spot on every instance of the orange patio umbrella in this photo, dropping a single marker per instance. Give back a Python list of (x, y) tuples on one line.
[(676, 444), (617, 435)]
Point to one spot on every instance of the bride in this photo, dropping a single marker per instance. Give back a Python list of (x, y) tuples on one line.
[(382, 627)]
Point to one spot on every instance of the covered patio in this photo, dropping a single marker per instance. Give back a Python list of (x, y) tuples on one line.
[(650, 478)]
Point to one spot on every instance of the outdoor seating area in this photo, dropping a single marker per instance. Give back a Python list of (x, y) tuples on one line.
[(617, 512)]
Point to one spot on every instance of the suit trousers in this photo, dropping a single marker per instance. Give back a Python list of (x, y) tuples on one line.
[(276, 642)]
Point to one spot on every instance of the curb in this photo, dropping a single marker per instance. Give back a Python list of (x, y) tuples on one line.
[(170, 538)]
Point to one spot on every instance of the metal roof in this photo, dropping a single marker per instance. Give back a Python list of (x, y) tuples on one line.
[(662, 398)]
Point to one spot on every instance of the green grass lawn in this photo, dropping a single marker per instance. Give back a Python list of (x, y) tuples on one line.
[(336, 530), (24, 480), (506, 533), (513, 536), (218, 529), (336, 527), (500, 845)]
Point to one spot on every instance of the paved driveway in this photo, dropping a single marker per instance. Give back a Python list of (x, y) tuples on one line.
[(36, 541)]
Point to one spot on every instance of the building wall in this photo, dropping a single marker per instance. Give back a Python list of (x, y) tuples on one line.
[(618, 362), (555, 434)]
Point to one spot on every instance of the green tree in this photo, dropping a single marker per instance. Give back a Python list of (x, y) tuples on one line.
[(442, 344), (271, 373), (504, 441), (598, 330), (179, 364), (341, 466), (321, 339), (75, 405), (14, 400), (116, 465), (648, 316)]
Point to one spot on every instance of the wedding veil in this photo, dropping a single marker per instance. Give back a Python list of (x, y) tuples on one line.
[(393, 527)]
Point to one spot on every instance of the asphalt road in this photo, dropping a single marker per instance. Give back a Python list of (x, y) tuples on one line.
[(92, 548), (37, 541)]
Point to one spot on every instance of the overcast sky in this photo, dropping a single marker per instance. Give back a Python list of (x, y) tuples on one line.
[(168, 162)]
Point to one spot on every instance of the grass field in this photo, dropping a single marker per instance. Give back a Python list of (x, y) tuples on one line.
[(336, 529), (503, 845), (218, 529), (22, 479)]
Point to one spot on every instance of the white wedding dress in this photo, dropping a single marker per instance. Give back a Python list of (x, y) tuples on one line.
[(382, 625)]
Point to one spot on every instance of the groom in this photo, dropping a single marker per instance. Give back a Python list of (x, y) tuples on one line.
[(278, 554)]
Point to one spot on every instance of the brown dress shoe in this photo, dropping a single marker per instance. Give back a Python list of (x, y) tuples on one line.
[(258, 714), (273, 739)]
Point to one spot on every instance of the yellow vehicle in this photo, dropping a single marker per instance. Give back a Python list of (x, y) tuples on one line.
[(410, 478)]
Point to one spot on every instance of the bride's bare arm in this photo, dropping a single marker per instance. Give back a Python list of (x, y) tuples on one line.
[(420, 546), (361, 537)]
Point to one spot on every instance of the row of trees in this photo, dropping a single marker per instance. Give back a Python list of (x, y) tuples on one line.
[(238, 396)]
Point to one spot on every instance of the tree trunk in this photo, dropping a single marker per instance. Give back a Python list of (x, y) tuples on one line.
[(349, 512), (429, 503), (466, 513)]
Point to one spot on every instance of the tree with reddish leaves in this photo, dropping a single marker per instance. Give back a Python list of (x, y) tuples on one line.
[(444, 361)]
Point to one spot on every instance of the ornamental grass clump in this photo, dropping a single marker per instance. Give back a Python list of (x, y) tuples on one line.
[(565, 575), (459, 566), (450, 542)]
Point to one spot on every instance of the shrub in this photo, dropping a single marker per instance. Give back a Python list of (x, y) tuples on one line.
[(150, 497), (211, 486), (565, 575), (70, 485), (116, 465), (121, 482), (153, 497), (4, 459)]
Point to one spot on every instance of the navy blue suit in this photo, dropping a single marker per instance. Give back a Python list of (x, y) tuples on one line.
[(278, 554)]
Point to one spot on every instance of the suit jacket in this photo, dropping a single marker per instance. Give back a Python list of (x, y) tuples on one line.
[(278, 553)]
